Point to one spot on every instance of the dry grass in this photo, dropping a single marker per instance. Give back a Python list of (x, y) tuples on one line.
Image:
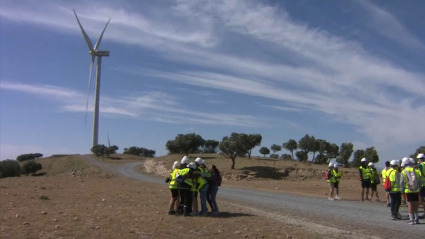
[(91, 203)]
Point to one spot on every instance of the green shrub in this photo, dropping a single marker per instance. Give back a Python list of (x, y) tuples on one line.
[(44, 197), (9, 168), (31, 167)]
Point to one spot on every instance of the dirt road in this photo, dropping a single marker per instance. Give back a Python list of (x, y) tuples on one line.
[(344, 219)]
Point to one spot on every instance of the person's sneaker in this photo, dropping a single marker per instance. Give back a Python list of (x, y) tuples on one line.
[(330, 199), (393, 217), (377, 200), (388, 204), (417, 221), (193, 214), (399, 216), (412, 223), (337, 198)]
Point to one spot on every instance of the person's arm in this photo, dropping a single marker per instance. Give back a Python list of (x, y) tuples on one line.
[(401, 178), (361, 174)]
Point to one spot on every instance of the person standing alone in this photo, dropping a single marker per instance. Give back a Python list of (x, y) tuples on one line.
[(364, 178), (338, 175), (330, 178)]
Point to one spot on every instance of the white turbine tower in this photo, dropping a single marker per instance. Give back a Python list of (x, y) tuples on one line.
[(94, 52)]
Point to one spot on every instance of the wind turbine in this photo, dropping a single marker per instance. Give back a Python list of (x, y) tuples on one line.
[(94, 52)]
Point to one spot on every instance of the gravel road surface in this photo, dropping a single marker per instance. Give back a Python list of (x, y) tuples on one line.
[(342, 219)]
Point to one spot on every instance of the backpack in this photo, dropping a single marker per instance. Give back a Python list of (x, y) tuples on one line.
[(219, 179), (328, 175), (387, 184), (411, 180)]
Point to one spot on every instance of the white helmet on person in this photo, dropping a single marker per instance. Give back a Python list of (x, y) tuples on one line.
[(421, 157), (198, 160), (405, 161), (335, 165), (192, 165), (331, 165), (371, 164), (394, 162), (203, 162), (412, 161), (185, 160), (176, 164), (364, 160)]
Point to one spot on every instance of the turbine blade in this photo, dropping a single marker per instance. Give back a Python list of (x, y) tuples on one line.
[(101, 35), (89, 44), (88, 92)]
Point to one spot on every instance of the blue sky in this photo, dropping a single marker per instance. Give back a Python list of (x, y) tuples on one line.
[(344, 71)]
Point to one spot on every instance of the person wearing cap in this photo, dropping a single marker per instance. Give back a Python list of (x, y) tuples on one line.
[(421, 168), (183, 164), (384, 177), (364, 176), (202, 186), (174, 188), (194, 190), (330, 178), (393, 175), (338, 175), (374, 181), (411, 183)]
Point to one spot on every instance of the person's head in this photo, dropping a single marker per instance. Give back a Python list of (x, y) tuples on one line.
[(406, 162), (176, 164), (412, 161), (371, 165), (336, 166), (394, 164), (363, 161), (198, 161), (185, 160), (331, 165), (203, 164), (214, 169), (192, 166), (387, 164), (421, 158)]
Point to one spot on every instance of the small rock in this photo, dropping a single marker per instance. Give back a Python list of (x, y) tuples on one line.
[(276, 188), (76, 218), (17, 215), (26, 223), (288, 236), (97, 227), (157, 212), (55, 220), (43, 212), (161, 218), (245, 236), (57, 226), (103, 200), (238, 232)]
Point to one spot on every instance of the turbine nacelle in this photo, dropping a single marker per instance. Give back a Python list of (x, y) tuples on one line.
[(99, 53)]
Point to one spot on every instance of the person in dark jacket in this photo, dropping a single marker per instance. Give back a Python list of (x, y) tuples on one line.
[(213, 189)]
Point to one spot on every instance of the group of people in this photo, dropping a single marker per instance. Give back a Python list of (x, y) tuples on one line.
[(402, 180), (186, 181)]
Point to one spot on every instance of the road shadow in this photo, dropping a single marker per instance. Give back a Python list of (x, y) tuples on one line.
[(39, 174), (235, 214), (114, 158), (266, 172)]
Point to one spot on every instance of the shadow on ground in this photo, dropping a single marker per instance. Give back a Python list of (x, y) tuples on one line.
[(114, 158), (235, 214), (39, 174), (265, 172)]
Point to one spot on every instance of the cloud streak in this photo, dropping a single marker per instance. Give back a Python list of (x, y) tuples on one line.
[(317, 71)]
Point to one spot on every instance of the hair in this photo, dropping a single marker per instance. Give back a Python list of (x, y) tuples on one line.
[(387, 164), (215, 169)]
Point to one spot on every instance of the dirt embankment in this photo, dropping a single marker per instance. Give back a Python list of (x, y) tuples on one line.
[(250, 173)]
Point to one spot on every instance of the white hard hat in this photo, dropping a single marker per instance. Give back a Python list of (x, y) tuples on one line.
[(176, 164), (364, 160), (203, 162), (198, 160), (370, 164), (185, 159), (405, 161), (398, 161), (402, 164), (336, 165), (412, 161), (192, 165), (394, 162), (420, 156), (331, 165)]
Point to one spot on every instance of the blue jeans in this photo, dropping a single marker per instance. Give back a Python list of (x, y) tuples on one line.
[(212, 193), (203, 193)]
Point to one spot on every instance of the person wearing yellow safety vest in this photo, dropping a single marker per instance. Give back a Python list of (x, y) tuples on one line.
[(183, 164), (384, 177), (393, 175), (184, 178), (411, 184), (195, 212), (202, 184), (330, 178), (174, 188), (338, 175), (374, 181), (364, 178), (421, 167)]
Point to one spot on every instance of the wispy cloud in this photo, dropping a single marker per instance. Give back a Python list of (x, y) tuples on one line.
[(387, 25), (155, 106), (316, 71)]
